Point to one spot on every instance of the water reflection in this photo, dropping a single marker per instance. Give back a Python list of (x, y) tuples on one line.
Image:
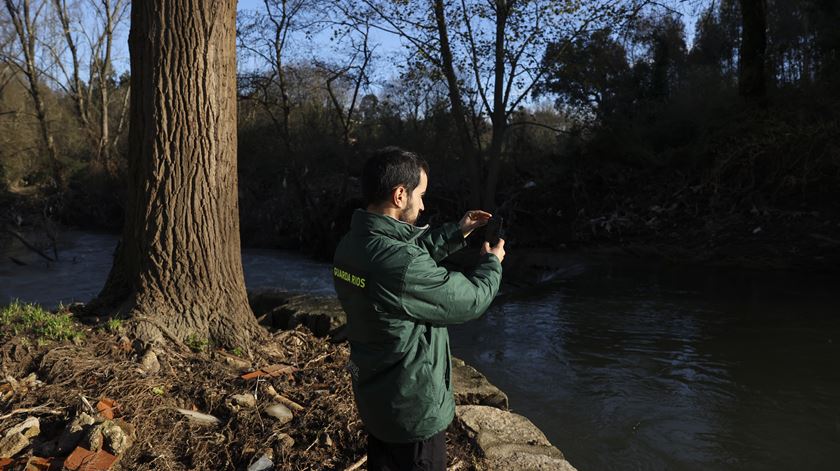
[(625, 366), (651, 367)]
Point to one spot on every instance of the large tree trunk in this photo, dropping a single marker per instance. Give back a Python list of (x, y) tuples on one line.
[(178, 269), (752, 81)]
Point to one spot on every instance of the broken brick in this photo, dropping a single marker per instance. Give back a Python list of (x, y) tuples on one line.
[(106, 407), (271, 370), (83, 459)]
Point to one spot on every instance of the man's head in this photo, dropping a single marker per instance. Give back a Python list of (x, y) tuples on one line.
[(394, 182)]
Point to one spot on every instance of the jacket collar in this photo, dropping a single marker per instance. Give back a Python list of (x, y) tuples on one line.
[(364, 222)]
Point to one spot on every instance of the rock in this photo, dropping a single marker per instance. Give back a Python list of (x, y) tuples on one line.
[(280, 412), (109, 435), (286, 440), (262, 464), (472, 388), (509, 441), (12, 444), (244, 400), (286, 310), (199, 418), (74, 432), (236, 362), (29, 428), (264, 300), (149, 362)]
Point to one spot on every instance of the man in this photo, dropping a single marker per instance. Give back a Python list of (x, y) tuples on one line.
[(398, 302)]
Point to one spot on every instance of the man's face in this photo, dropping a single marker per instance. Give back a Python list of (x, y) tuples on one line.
[(414, 207)]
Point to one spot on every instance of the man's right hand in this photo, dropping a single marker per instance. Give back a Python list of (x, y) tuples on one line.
[(498, 250)]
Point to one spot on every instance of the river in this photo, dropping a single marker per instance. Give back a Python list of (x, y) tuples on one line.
[(625, 365)]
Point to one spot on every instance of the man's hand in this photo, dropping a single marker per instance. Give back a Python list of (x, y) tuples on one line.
[(498, 250), (473, 220)]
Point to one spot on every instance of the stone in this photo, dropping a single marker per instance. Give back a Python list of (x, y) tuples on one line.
[(244, 400), (472, 388), (509, 441), (236, 362), (109, 435), (264, 463), (12, 444), (280, 412), (199, 418), (149, 362), (286, 440), (74, 432), (29, 428), (286, 310)]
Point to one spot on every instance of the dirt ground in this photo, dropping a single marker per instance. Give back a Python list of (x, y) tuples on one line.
[(71, 377)]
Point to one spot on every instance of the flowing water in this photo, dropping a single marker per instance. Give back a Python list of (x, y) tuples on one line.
[(624, 365)]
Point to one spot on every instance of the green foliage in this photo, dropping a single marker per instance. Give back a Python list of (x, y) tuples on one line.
[(238, 351), (196, 343), (114, 325), (32, 320)]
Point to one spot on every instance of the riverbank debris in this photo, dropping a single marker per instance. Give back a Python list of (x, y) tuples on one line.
[(273, 371)]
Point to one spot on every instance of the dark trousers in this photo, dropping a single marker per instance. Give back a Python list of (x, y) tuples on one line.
[(428, 455)]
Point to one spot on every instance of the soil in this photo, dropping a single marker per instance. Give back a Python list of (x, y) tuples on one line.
[(327, 433)]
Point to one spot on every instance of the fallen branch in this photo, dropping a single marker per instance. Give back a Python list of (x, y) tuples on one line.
[(357, 464), (269, 389), (29, 246), (32, 410)]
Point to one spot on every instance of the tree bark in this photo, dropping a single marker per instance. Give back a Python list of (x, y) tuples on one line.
[(752, 81), (177, 270)]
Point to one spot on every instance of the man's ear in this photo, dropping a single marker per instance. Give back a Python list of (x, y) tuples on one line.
[(399, 197)]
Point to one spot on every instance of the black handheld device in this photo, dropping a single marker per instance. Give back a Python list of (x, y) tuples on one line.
[(494, 231)]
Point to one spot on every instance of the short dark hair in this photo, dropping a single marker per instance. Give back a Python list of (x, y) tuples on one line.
[(389, 168)]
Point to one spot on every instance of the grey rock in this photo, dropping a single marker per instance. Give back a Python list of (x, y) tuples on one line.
[(149, 362), (509, 441), (286, 310), (74, 432), (262, 464), (12, 444), (280, 412), (108, 435), (472, 388), (29, 428)]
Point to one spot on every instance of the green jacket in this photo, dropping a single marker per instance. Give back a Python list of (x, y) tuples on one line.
[(398, 302)]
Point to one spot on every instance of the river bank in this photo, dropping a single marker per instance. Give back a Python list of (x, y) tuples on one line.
[(659, 226), (286, 405)]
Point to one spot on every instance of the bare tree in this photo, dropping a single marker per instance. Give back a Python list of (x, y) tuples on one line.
[(178, 269), (108, 15), (488, 52), (25, 18)]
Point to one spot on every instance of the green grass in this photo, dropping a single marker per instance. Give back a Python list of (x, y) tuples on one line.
[(114, 325), (33, 320), (196, 343)]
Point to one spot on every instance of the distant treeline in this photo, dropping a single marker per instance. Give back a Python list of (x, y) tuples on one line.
[(605, 123)]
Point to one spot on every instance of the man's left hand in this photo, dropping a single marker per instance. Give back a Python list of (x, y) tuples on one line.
[(473, 220)]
